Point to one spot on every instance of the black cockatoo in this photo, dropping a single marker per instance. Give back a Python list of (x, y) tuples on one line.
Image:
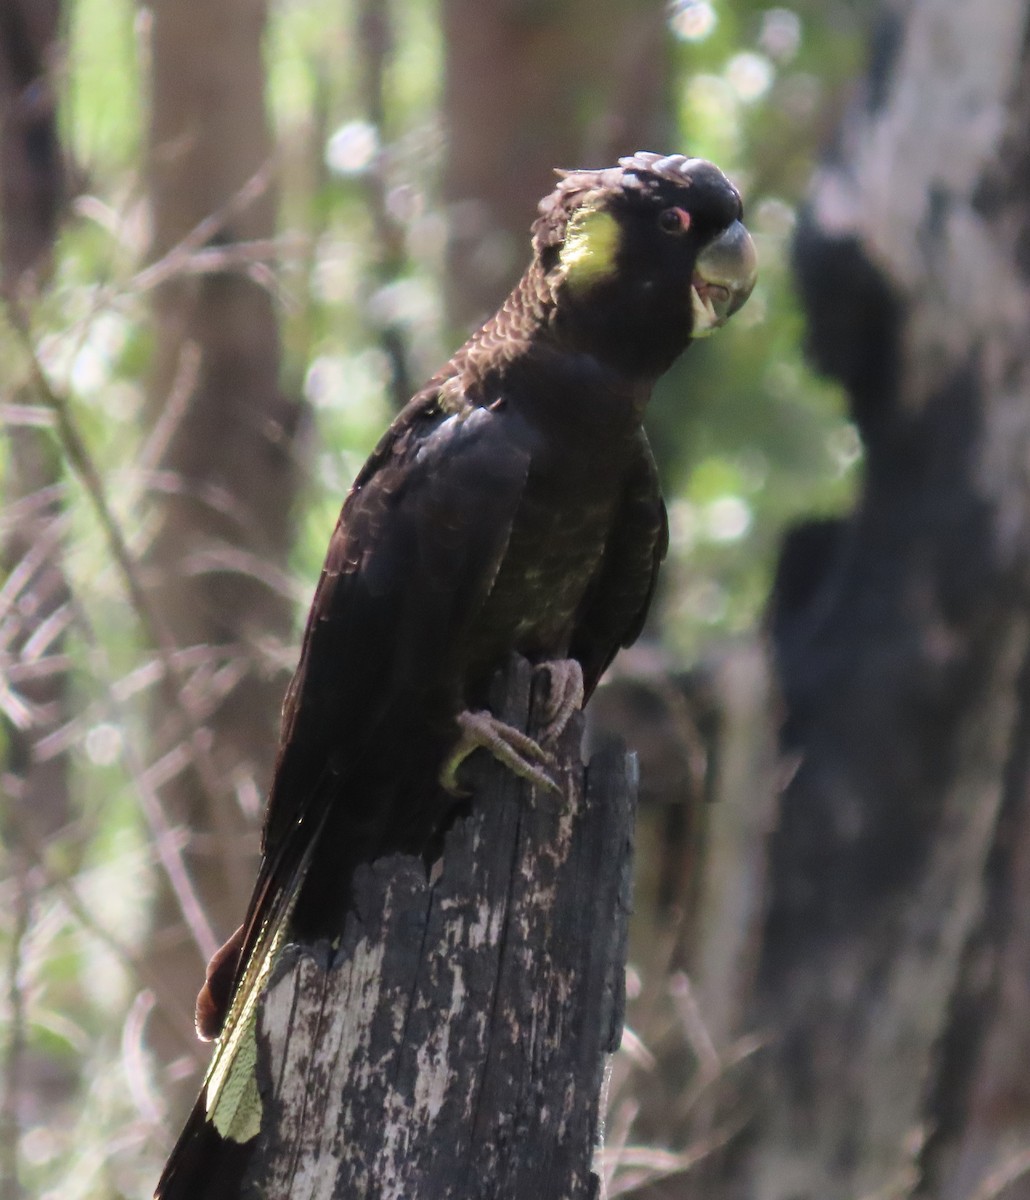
[(512, 506)]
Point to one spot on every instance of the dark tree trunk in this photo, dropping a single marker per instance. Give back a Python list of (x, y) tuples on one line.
[(31, 169), (35, 611), (225, 437), (529, 87), (31, 193), (893, 966)]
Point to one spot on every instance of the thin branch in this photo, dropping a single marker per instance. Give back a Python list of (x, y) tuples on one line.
[(63, 887), (167, 842), (998, 1181), (204, 660), (32, 505), (641, 1166), (39, 554), (134, 1059), (82, 463), (173, 680), (173, 411), (174, 261), (219, 558), (26, 416)]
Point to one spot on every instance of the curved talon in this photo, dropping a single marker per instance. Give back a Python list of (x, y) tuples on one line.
[(508, 745), (564, 697)]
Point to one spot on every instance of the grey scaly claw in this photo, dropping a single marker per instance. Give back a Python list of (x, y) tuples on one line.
[(564, 697), (510, 746)]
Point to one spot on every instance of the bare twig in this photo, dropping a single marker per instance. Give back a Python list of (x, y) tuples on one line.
[(38, 502), (208, 662), (639, 1166), (184, 380), (173, 681), (26, 416), (219, 557), (616, 1139), (997, 1182), (147, 1102), (167, 843), (694, 1027), (175, 260), (62, 886)]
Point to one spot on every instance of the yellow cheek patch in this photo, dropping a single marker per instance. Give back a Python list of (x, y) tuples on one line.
[(591, 244)]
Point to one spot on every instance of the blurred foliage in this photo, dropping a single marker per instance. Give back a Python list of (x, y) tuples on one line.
[(747, 436), (748, 439)]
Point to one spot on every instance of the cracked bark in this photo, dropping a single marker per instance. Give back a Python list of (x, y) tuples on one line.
[(455, 1043)]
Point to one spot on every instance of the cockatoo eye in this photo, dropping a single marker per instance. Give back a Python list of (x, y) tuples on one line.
[(674, 220)]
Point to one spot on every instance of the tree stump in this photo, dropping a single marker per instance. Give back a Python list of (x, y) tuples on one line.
[(453, 1041)]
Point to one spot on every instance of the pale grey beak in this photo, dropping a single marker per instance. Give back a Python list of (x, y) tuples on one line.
[(724, 276)]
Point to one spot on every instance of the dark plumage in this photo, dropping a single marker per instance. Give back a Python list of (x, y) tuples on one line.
[(512, 506)]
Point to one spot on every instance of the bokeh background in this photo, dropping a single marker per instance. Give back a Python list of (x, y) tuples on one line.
[(235, 237)]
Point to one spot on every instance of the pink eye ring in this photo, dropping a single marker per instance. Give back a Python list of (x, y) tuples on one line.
[(674, 220)]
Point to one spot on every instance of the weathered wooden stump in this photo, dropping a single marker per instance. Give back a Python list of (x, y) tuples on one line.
[(453, 1043)]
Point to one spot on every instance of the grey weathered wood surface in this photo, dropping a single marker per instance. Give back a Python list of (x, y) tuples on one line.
[(454, 1044)]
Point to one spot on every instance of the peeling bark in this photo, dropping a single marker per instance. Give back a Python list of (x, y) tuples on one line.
[(454, 1043)]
